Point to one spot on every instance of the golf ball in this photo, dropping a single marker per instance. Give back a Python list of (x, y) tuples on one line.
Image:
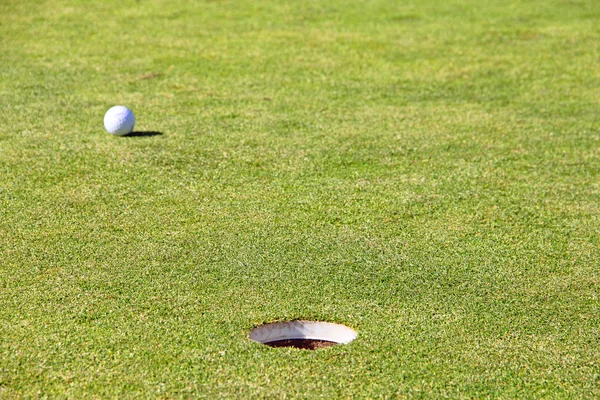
[(119, 120)]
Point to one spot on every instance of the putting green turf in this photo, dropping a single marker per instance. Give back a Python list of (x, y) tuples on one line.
[(426, 172)]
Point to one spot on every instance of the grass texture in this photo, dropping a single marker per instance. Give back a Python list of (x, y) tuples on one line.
[(426, 172)]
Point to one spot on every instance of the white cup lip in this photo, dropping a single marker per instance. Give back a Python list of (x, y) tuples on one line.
[(303, 329)]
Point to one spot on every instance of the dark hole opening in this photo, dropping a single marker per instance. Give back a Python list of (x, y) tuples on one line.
[(305, 344)]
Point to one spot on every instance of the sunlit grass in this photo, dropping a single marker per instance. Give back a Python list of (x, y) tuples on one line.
[(425, 172)]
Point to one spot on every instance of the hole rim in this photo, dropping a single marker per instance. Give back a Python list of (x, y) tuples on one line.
[(302, 330)]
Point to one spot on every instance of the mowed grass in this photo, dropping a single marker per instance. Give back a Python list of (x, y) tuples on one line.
[(426, 172)]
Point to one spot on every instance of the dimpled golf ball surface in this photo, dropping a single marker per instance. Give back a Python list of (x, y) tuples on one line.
[(119, 121)]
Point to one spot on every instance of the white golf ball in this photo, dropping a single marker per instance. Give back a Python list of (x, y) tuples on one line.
[(119, 121)]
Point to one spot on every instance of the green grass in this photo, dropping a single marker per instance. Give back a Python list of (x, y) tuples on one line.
[(426, 172)]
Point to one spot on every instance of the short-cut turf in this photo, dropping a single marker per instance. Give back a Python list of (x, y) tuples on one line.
[(425, 172)]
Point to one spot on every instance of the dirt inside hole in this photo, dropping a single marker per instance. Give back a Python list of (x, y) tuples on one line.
[(305, 344)]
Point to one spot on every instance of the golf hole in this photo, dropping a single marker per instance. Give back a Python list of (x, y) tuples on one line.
[(308, 335)]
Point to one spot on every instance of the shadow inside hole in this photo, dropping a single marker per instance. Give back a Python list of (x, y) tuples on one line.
[(143, 134), (304, 344)]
